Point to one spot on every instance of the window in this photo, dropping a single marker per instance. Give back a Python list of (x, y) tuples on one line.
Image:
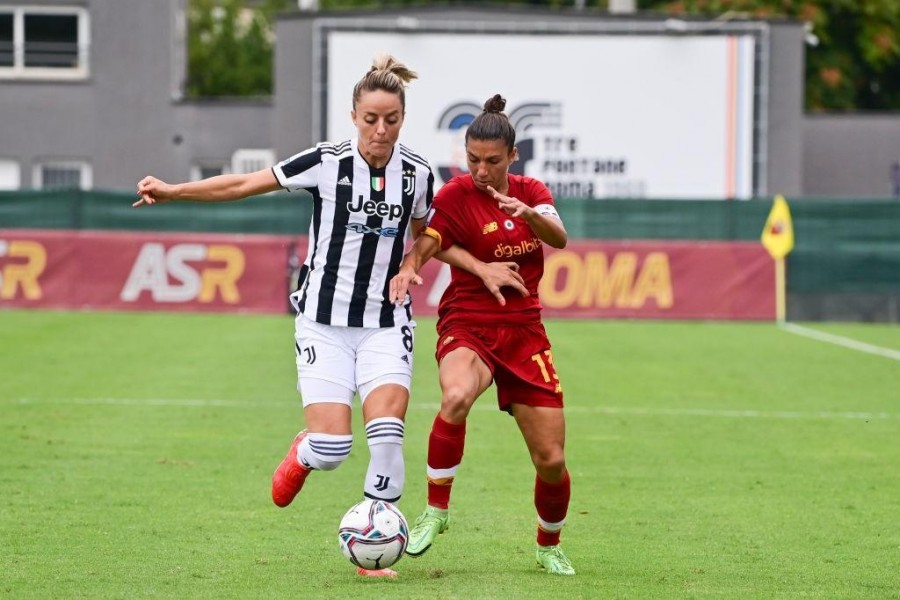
[(249, 161), (40, 42), (6, 39), (59, 175), (9, 174), (204, 170), (51, 41)]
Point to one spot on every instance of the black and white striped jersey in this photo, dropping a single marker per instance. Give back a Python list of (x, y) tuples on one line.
[(358, 231)]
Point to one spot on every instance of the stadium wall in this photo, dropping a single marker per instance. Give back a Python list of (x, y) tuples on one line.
[(852, 154), (121, 127)]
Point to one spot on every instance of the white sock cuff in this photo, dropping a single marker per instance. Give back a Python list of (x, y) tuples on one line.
[(385, 430), (548, 526), (324, 451)]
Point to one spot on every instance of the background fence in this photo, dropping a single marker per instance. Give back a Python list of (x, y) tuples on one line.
[(845, 265)]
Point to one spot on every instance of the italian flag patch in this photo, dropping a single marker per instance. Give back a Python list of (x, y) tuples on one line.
[(378, 183)]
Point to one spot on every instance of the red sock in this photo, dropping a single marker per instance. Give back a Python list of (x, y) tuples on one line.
[(552, 503), (445, 452)]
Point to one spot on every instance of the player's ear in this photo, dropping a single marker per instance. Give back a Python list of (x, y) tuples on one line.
[(514, 155)]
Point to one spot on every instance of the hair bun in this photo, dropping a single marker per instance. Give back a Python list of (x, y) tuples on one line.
[(495, 104)]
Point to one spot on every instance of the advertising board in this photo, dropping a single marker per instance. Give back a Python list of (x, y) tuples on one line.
[(596, 115), (240, 273)]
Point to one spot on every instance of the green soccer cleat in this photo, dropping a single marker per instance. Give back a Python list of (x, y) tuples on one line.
[(554, 560), (427, 527)]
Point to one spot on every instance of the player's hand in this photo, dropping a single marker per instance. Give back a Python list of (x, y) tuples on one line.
[(511, 206), (496, 275), (152, 190), (400, 284)]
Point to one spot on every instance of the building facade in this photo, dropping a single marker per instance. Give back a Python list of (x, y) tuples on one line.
[(91, 96)]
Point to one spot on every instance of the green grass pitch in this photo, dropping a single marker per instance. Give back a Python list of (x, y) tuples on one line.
[(709, 460)]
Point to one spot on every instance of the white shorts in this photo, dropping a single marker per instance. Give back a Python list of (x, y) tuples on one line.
[(333, 362)]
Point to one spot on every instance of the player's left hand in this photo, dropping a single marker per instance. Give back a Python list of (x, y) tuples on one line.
[(497, 275), (511, 206)]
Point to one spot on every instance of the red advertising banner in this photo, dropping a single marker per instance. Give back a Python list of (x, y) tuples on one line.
[(644, 279), (251, 273), (144, 271)]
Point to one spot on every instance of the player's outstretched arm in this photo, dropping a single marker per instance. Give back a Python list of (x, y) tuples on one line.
[(220, 188), (495, 275)]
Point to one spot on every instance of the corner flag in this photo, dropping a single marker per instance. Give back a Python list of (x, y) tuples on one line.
[(778, 234), (778, 238)]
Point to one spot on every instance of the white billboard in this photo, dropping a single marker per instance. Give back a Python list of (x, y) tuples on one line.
[(596, 115)]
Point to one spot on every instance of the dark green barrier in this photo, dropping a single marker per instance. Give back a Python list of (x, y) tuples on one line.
[(841, 245), (278, 213)]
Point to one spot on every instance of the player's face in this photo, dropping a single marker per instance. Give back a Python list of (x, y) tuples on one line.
[(489, 162), (378, 117)]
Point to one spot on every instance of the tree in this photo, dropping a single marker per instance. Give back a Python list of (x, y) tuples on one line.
[(854, 66), (230, 47), (856, 63)]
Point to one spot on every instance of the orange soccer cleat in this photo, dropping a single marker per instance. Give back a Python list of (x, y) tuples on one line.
[(287, 481), (376, 572)]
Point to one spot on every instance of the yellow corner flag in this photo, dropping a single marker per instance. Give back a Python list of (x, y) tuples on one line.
[(778, 238), (778, 234)]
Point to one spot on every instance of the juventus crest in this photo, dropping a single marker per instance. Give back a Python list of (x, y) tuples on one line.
[(409, 182)]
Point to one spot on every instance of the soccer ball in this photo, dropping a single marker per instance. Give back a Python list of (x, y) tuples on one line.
[(373, 534)]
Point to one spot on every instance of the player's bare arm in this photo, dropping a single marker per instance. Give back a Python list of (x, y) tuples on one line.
[(422, 250), (416, 226), (495, 275), (221, 188), (548, 228)]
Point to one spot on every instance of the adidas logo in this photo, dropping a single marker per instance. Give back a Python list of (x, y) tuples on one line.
[(344, 181)]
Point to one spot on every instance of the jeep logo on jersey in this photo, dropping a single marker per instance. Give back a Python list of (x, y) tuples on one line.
[(393, 212)]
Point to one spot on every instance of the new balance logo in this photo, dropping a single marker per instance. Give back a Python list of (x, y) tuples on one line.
[(344, 181)]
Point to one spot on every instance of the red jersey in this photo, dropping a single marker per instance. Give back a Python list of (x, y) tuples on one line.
[(466, 216)]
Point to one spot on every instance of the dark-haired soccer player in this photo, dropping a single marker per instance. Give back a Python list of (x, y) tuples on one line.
[(496, 216)]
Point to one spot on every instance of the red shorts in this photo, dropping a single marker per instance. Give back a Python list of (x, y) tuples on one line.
[(518, 356)]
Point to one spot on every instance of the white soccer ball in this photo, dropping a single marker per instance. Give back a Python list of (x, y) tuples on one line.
[(373, 534)]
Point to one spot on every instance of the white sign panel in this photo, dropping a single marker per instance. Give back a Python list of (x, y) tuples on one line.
[(596, 116)]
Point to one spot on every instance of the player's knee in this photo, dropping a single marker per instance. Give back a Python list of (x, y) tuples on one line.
[(456, 400), (324, 451), (386, 395), (550, 466)]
